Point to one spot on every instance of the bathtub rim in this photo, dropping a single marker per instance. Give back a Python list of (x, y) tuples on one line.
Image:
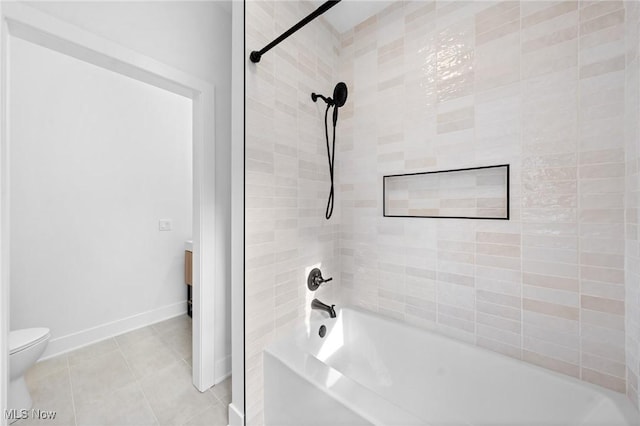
[(302, 334), (382, 412)]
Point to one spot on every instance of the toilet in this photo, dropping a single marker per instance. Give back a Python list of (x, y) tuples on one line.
[(25, 348)]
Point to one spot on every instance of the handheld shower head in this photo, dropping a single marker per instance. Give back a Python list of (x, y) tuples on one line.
[(339, 99), (340, 94)]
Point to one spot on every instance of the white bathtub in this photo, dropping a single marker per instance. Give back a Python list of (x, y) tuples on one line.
[(373, 370)]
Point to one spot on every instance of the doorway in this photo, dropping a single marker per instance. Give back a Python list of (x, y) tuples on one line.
[(101, 198), (24, 23)]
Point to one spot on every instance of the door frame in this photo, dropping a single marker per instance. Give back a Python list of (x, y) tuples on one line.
[(24, 22), (238, 68)]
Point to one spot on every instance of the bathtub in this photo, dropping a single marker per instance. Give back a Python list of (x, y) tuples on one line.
[(372, 370)]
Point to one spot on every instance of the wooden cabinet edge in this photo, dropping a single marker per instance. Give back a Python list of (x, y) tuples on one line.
[(188, 267)]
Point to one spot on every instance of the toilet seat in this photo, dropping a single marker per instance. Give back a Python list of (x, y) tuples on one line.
[(23, 339)]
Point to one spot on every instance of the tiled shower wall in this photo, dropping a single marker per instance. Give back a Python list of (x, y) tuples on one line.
[(287, 179), (439, 85), (632, 152), (540, 86)]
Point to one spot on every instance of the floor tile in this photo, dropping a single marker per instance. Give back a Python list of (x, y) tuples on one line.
[(63, 416), (180, 342), (222, 391), (172, 396), (98, 377), (52, 393), (134, 336), (126, 406), (138, 378), (189, 360), (216, 415), (92, 351), (172, 325), (148, 356), (44, 368)]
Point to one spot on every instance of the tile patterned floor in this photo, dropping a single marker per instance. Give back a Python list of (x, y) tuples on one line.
[(138, 378)]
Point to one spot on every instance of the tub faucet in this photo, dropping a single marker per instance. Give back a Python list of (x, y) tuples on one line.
[(316, 304)]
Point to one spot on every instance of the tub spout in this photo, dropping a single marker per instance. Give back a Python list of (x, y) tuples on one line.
[(316, 304)]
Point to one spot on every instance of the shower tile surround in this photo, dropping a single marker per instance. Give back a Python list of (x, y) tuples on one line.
[(550, 88), (632, 199), (286, 180)]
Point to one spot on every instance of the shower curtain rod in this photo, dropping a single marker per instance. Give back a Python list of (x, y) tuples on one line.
[(256, 55)]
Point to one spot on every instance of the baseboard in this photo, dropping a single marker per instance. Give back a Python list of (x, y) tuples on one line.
[(236, 418), (222, 369), (82, 338)]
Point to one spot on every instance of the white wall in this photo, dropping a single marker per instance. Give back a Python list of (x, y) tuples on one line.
[(96, 160), (194, 37)]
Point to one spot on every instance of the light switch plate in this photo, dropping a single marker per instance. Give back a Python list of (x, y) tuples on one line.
[(164, 224)]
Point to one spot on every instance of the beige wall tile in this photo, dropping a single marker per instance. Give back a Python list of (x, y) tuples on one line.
[(551, 363), (605, 380), (548, 87), (601, 22), (602, 304), (552, 309)]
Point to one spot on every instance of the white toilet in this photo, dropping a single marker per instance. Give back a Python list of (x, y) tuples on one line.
[(25, 348)]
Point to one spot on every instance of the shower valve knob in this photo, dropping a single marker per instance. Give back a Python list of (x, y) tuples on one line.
[(315, 279)]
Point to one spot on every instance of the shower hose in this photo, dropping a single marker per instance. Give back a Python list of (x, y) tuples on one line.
[(330, 156)]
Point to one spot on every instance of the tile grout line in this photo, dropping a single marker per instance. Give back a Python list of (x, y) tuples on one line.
[(474, 232), (578, 186), (199, 413), (117, 349), (520, 206), (137, 381), (73, 400)]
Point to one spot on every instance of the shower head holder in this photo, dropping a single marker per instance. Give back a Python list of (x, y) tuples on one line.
[(315, 96)]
